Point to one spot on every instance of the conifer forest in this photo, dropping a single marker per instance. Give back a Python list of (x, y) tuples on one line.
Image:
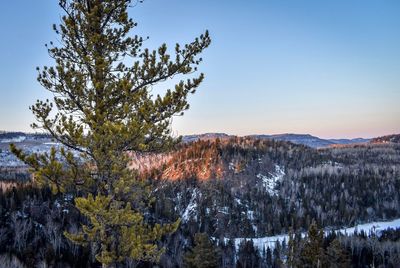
[(104, 181)]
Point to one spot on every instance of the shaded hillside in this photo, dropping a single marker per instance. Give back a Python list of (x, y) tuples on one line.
[(254, 181)]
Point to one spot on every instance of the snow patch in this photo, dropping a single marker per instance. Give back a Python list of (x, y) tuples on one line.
[(271, 180), (223, 210), (14, 140), (250, 215), (231, 166), (372, 227), (190, 210), (238, 201), (263, 243), (52, 143)]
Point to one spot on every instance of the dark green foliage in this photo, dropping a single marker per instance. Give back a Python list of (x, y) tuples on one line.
[(337, 256), (268, 257), (203, 255), (103, 109), (312, 253), (277, 256), (293, 250), (248, 255)]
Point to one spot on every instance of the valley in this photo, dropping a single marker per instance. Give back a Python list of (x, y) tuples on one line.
[(238, 190)]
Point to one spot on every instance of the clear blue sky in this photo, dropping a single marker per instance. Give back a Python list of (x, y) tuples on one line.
[(329, 68)]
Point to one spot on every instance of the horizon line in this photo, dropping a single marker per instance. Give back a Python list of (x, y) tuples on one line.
[(236, 135)]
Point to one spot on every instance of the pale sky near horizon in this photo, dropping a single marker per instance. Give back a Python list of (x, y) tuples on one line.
[(327, 68)]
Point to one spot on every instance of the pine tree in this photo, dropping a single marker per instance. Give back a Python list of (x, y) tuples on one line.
[(203, 255), (277, 256), (337, 256), (313, 254), (269, 257), (292, 250), (248, 255), (103, 110)]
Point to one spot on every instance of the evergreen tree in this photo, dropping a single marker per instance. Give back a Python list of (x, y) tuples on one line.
[(292, 249), (277, 256), (248, 255), (203, 255), (337, 256), (313, 254), (103, 110), (269, 257)]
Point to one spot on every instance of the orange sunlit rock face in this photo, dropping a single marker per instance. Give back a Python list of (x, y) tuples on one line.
[(191, 161), (203, 167), (202, 160)]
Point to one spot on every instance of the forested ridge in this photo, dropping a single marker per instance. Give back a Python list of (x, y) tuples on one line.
[(240, 187)]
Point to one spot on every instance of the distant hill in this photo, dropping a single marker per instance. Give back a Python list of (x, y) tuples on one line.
[(17, 135), (304, 139), (311, 141), (349, 141), (205, 136), (395, 138)]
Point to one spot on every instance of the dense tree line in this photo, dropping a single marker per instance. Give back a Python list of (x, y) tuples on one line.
[(333, 187), (14, 175), (395, 138)]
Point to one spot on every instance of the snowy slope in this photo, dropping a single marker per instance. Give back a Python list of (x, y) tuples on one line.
[(374, 227), (270, 181), (191, 209), (270, 241)]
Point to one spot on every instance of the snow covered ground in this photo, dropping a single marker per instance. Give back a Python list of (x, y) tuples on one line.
[(8, 159), (373, 227), (191, 209), (270, 241), (13, 140), (29, 144), (271, 180)]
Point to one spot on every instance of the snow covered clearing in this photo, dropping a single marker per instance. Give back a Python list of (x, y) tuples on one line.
[(270, 241), (13, 140)]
